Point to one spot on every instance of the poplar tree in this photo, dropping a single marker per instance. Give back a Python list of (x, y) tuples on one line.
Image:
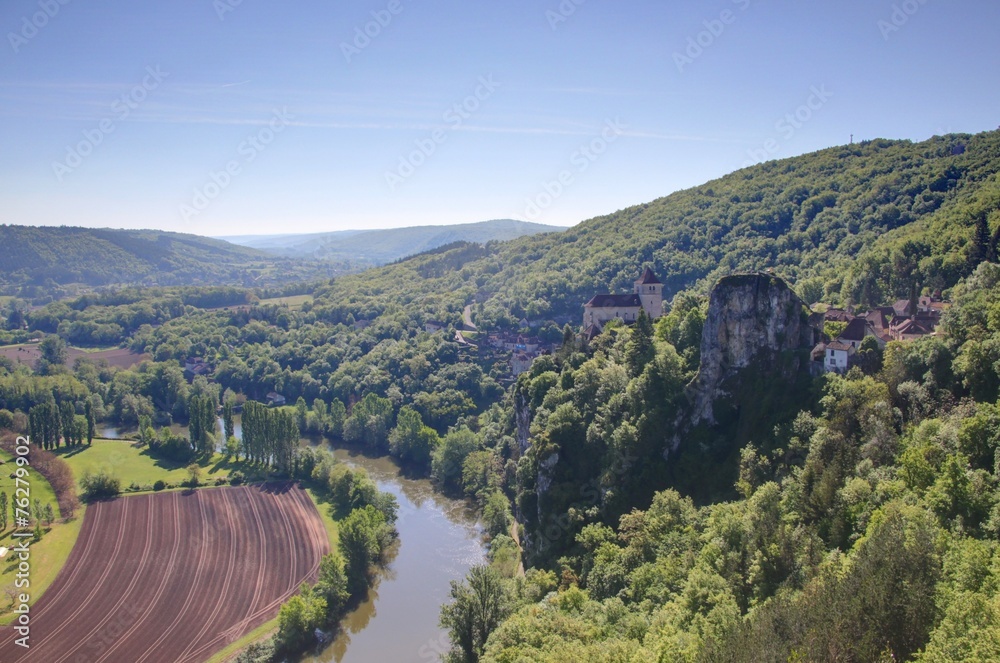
[(91, 423), (228, 421)]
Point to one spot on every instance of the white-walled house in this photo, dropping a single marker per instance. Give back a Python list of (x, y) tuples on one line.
[(838, 357)]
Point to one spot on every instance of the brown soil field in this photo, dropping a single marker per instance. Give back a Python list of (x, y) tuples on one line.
[(174, 576), (28, 354)]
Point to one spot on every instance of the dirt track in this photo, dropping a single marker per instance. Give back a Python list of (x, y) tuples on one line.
[(174, 576)]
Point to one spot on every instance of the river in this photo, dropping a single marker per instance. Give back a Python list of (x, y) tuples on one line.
[(439, 541)]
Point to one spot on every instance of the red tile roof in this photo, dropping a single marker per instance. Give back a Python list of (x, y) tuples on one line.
[(856, 330)]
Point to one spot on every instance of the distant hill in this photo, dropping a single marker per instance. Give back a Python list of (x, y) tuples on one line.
[(62, 255), (290, 243), (384, 246)]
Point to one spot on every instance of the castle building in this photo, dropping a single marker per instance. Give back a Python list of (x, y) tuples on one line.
[(647, 296)]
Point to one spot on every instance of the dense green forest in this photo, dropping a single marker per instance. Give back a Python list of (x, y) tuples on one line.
[(856, 519), (863, 528)]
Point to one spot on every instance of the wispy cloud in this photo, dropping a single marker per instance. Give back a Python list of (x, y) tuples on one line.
[(208, 104)]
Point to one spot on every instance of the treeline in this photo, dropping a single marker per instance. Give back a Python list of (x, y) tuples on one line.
[(49, 424), (111, 317)]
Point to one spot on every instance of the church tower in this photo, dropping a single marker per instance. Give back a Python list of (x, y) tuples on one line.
[(650, 292)]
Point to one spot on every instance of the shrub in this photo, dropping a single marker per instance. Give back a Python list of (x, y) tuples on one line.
[(170, 446), (236, 478), (194, 475), (134, 487), (259, 652), (299, 618), (159, 485), (100, 486)]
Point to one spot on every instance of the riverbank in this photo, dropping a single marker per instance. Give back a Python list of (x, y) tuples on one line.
[(439, 541)]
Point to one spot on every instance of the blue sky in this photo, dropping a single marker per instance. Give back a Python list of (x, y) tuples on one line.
[(233, 117)]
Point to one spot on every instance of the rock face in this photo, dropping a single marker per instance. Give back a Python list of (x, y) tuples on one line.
[(753, 319), (522, 414)]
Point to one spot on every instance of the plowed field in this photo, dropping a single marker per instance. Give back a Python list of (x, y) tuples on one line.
[(174, 576)]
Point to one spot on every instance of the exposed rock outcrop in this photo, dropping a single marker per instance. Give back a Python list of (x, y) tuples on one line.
[(522, 415), (753, 320)]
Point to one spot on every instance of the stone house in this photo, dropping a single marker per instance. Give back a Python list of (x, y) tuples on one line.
[(647, 296)]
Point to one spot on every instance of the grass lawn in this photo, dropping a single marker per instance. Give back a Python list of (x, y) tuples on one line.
[(48, 555), (262, 632), (39, 487), (132, 464), (323, 505)]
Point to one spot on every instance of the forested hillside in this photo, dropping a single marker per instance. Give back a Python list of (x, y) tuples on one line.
[(47, 256), (852, 224)]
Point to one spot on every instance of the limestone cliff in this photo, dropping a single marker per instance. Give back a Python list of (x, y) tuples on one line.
[(754, 320)]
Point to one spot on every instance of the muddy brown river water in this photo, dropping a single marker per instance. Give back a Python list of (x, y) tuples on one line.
[(439, 541)]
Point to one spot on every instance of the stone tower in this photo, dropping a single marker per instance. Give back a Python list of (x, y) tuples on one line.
[(650, 291)]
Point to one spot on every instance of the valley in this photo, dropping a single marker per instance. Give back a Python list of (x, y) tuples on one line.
[(647, 400)]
